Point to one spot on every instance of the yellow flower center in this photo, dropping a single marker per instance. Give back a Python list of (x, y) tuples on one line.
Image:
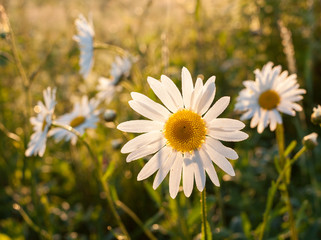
[(77, 121), (269, 99), (185, 131)]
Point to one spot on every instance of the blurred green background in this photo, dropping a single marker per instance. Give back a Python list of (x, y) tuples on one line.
[(229, 39)]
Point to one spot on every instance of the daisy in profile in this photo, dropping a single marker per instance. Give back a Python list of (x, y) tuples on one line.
[(107, 87), (85, 39), (42, 123), (271, 94), (84, 115), (184, 135)]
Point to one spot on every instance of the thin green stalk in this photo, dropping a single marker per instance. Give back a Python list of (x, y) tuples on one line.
[(126, 209), (100, 176), (113, 48), (30, 223), (286, 181), (274, 188), (204, 215)]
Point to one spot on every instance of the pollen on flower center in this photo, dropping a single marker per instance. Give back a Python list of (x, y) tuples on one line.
[(77, 121), (269, 99), (185, 131)]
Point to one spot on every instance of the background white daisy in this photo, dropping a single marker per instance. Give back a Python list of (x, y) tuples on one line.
[(184, 136), (84, 115), (85, 39), (270, 94), (41, 123)]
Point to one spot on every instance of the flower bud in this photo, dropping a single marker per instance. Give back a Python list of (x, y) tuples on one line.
[(310, 141), (109, 115), (316, 115)]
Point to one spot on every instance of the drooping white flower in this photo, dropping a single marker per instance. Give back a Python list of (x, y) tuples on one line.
[(120, 67), (184, 136), (85, 39), (107, 87), (41, 123), (270, 94), (84, 115)]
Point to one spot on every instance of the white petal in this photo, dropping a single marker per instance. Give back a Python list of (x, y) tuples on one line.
[(226, 124), (147, 111), (206, 99), (145, 151), (164, 169), (156, 106), (221, 149), (188, 176), (154, 163), (199, 171), (142, 140), (196, 94), (220, 160), (187, 87), (162, 94), (209, 168), (175, 175), (140, 126), (173, 91), (233, 136), (217, 109), (255, 120)]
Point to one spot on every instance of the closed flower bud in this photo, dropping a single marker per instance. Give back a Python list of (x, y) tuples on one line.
[(4, 24), (310, 141), (109, 115), (316, 115)]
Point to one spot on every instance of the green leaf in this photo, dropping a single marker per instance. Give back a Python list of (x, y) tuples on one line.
[(290, 148), (246, 224)]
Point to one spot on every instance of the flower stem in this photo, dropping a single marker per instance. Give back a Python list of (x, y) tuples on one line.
[(286, 180), (116, 49), (30, 223), (204, 215), (100, 176), (274, 188)]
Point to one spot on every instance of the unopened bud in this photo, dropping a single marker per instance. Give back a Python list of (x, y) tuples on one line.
[(310, 141), (316, 115), (116, 143), (109, 115)]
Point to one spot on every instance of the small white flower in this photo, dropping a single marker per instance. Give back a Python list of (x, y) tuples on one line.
[(272, 92), (184, 136), (120, 67), (83, 116), (106, 89), (310, 141), (85, 39), (41, 123)]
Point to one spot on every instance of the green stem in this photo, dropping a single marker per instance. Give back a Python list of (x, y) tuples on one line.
[(126, 209), (30, 223), (286, 180), (113, 48), (274, 188), (204, 215), (100, 176)]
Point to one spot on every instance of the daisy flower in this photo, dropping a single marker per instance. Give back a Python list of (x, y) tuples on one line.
[(270, 94), (107, 87), (83, 116), (184, 136), (41, 123), (316, 115), (85, 39), (120, 67)]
